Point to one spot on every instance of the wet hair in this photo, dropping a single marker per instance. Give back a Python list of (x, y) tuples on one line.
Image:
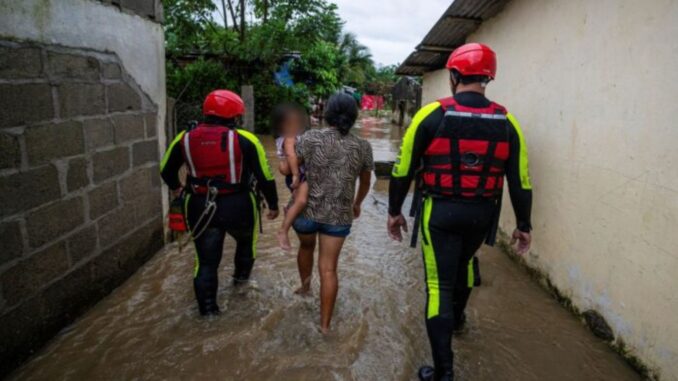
[(280, 114), (468, 79), (219, 121), (341, 112)]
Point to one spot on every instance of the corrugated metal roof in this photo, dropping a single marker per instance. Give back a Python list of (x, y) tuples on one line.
[(462, 18)]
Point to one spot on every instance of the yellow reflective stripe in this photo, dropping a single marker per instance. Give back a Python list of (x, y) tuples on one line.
[(261, 153), (196, 267), (432, 283), (165, 157), (471, 280), (401, 168), (523, 162), (255, 234)]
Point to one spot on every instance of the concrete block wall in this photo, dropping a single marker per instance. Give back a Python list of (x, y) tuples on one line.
[(151, 9), (80, 196)]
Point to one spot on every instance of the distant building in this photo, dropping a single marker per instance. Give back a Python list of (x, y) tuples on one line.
[(82, 110), (406, 100), (594, 85)]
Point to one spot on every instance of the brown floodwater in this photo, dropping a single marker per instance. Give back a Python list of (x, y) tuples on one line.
[(149, 328)]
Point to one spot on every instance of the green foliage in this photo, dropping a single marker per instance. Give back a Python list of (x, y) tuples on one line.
[(196, 79), (187, 21), (206, 50), (381, 81), (356, 61), (317, 68)]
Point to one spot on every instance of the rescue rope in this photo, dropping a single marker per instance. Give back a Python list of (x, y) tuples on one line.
[(209, 211)]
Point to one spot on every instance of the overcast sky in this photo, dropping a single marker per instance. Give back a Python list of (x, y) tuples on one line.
[(391, 28)]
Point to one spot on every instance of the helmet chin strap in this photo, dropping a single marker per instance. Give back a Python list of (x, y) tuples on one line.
[(454, 82)]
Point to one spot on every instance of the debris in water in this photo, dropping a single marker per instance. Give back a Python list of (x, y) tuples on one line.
[(598, 325)]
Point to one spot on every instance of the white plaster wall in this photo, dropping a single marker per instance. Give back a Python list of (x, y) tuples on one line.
[(139, 42), (435, 85), (595, 87)]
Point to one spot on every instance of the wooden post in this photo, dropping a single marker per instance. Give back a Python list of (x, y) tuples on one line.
[(247, 94)]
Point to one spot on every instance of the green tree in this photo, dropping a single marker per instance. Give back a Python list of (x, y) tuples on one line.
[(317, 67), (210, 46), (356, 63), (187, 22), (381, 80)]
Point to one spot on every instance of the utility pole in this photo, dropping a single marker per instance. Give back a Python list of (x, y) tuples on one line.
[(232, 11), (223, 12), (242, 20), (265, 6)]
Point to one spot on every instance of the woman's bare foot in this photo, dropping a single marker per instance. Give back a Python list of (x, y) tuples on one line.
[(284, 240), (304, 290), (325, 330)]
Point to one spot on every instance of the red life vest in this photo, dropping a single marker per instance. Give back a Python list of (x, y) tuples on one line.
[(214, 159), (467, 156)]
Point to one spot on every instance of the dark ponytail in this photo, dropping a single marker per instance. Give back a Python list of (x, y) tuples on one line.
[(341, 112)]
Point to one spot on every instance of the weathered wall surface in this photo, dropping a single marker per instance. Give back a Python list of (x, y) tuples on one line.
[(80, 199), (435, 85), (594, 86)]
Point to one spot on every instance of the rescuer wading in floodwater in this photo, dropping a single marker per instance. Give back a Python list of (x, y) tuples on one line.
[(460, 149), (222, 162)]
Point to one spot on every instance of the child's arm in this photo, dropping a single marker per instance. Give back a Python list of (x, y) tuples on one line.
[(292, 159), (283, 167)]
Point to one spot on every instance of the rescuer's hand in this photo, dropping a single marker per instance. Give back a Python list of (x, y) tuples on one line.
[(524, 240), (395, 226), (356, 211), (272, 214)]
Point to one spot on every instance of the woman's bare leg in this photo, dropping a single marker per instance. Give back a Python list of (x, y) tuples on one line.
[(297, 207), (330, 247), (305, 262)]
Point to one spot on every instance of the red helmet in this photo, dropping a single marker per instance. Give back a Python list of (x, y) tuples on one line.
[(473, 59), (223, 103)]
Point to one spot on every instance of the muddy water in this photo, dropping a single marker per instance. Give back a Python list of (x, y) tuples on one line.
[(149, 329)]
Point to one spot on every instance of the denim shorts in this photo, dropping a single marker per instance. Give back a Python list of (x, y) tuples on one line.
[(305, 226)]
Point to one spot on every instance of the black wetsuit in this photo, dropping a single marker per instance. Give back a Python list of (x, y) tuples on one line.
[(452, 230), (237, 214)]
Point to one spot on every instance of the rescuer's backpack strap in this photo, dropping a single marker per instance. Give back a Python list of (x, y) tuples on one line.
[(448, 103)]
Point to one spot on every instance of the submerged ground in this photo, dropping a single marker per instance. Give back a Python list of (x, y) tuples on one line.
[(149, 328)]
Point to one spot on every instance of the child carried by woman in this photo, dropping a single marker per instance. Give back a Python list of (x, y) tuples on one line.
[(289, 123)]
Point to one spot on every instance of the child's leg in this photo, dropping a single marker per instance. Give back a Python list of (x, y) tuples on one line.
[(305, 262), (297, 207)]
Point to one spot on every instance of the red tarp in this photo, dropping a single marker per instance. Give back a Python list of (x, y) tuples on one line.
[(372, 102)]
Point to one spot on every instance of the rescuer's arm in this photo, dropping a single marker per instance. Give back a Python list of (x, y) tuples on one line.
[(417, 137), (518, 176), (254, 157), (171, 163)]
